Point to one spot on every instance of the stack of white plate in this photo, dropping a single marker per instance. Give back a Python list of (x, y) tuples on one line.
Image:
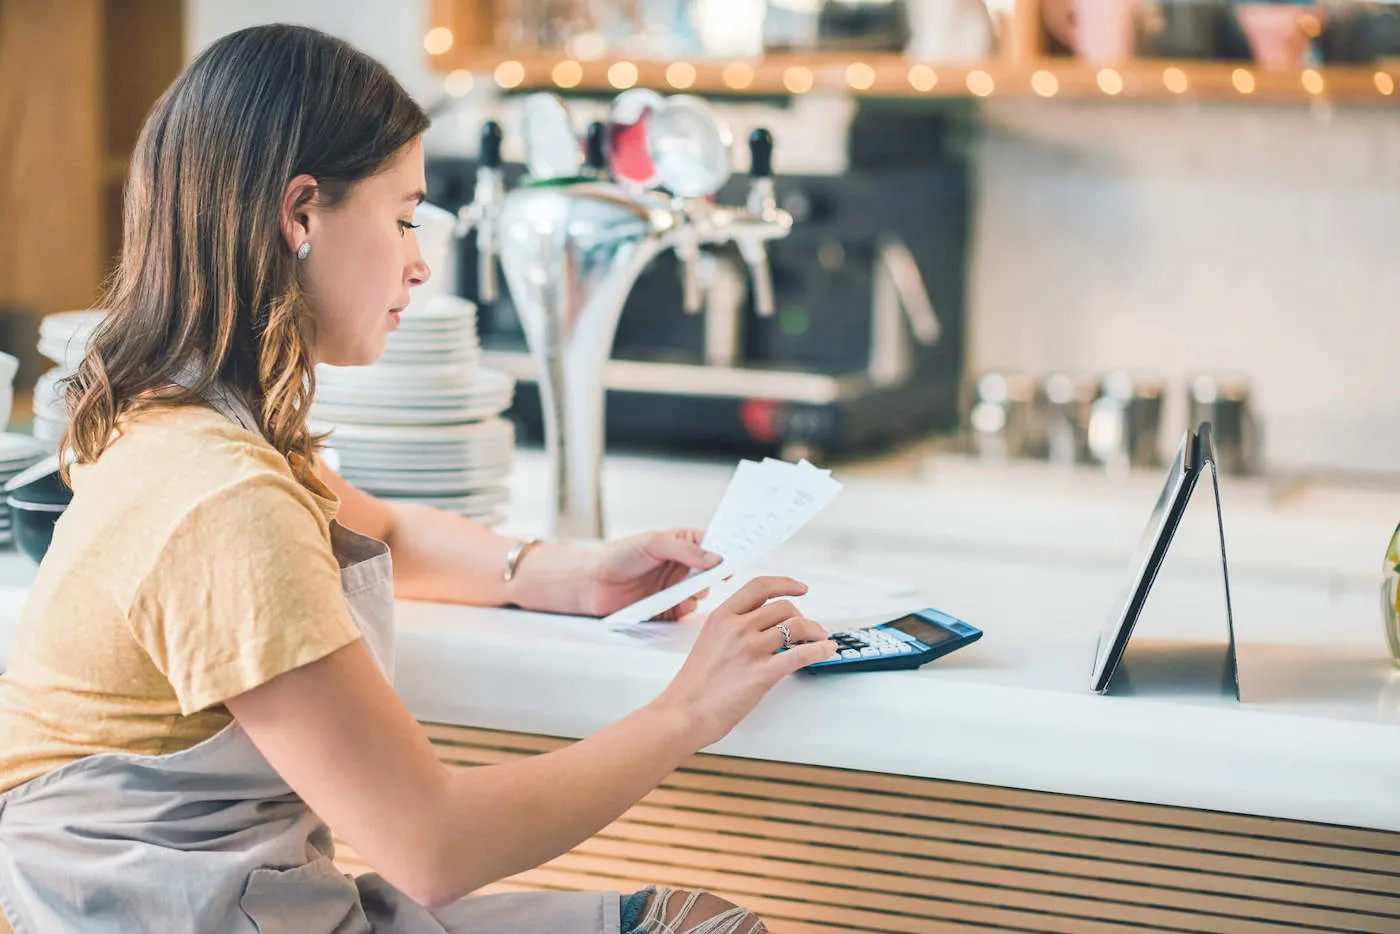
[(423, 425), (17, 452), (63, 338)]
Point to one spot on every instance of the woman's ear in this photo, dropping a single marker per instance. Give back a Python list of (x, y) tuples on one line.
[(296, 211)]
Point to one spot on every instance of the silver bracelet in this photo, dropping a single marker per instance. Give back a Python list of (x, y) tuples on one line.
[(516, 553)]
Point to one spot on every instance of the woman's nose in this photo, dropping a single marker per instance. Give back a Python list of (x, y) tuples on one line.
[(418, 271)]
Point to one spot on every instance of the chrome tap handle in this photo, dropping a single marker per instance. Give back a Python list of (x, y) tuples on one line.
[(482, 213), (687, 249), (756, 256), (595, 158), (761, 202), (763, 213)]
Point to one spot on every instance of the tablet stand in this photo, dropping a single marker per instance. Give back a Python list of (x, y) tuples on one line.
[(1171, 659)]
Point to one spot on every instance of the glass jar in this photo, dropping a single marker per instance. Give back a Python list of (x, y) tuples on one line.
[(1390, 596)]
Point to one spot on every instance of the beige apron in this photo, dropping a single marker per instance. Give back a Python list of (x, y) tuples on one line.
[(210, 839)]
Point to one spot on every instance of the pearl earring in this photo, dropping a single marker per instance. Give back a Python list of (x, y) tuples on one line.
[(304, 250)]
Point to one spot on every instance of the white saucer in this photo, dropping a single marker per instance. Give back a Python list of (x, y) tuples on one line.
[(18, 451), (457, 483), (418, 434)]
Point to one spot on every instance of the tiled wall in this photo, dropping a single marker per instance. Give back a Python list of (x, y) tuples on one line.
[(1169, 239)]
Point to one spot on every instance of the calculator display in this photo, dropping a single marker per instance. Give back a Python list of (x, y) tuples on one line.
[(924, 631)]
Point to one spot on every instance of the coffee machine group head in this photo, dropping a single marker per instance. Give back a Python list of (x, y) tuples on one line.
[(574, 237)]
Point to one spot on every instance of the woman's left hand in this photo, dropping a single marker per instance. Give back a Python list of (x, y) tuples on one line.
[(632, 568)]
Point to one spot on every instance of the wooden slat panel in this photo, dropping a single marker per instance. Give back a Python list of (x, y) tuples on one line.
[(1048, 822), (1154, 814), (907, 786), (817, 850), (935, 900), (854, 847), (1128, 884), (834, 806), (786, 905)]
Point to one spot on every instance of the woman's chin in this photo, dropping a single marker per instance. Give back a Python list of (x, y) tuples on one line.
[(361, 356)]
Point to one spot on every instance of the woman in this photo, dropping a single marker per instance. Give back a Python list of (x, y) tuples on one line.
[(199, 677)]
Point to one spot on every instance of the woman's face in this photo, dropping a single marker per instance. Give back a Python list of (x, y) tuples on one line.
[(364, 257)]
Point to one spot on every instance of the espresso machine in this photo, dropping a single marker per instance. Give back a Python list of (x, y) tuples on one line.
[(843, 336), (573, 240)]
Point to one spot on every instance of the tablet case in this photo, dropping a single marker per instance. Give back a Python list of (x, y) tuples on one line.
[(1198, 453)]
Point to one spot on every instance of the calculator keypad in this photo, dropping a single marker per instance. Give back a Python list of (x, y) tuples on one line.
[(872, 643)]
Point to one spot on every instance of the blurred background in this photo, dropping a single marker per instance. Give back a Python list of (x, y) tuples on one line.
[(1122, 216)]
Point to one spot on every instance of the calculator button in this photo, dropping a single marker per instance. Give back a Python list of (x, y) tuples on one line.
[(869, 651), (891, 650), (849, 653)]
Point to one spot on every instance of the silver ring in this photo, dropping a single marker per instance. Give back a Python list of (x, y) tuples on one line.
[(787, 635)]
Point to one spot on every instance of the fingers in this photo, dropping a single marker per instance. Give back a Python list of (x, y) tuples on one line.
[(770, 614), (800, 656), (802, 629), (682, 547), (759, 591)]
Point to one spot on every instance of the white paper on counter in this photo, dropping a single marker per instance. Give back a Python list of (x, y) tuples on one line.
[(765, 504), (837, 600)]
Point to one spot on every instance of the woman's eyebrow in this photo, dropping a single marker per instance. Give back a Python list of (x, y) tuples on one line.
[(417, 197)]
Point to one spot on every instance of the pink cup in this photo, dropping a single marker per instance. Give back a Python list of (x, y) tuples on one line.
[(1103, 30), (1275, 32)]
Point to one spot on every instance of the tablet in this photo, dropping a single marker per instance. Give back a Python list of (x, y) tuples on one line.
[(1147, 559)]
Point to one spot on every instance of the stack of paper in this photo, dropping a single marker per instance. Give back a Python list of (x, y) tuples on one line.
[(766, 503), (836, 598)]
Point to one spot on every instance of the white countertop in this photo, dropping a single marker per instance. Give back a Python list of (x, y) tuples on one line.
[(1035, 559)]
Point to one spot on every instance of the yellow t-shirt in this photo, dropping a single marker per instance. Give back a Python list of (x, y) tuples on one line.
[(190, 567)]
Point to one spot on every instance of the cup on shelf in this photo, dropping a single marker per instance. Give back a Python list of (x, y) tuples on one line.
[(1103, 30), (1187, 29), (1280, 35), (949, 31), (1361, 31)]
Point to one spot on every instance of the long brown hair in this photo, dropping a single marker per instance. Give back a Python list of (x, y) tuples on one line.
[(207, 288)]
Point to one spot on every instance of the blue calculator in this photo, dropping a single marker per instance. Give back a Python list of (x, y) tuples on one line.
[(907, 642)]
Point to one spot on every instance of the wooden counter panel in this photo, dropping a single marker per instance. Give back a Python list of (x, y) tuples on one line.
[(820, 849)]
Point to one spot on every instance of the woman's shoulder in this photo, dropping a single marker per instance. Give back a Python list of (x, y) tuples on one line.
[(172, 458)]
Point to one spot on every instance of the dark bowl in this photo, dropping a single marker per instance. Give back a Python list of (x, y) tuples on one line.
[(34, 509)]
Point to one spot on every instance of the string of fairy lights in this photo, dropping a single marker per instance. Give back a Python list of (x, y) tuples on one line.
[(862, 77)]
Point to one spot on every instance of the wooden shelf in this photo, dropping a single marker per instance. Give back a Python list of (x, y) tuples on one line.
[(892, 75)]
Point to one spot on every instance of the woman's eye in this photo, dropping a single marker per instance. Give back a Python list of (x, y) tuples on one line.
[(408, 225)]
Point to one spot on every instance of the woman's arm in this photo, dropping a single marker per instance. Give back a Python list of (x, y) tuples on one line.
[(446, 558), (339, 735), (336, 732), (450, 559)]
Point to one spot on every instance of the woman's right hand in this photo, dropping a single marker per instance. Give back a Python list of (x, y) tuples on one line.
[(736, 658)]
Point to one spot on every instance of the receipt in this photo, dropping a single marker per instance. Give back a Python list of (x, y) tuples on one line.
[(765, 505)]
